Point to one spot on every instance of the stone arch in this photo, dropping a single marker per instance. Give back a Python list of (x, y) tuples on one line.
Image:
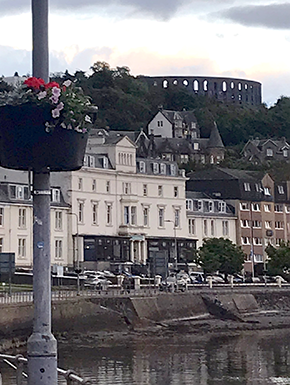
[(195, 85), (205, 85), (185, 82), (175, 82), (224, 86), (165, 83)]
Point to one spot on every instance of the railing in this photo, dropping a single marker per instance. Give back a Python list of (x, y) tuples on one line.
[(18, 362), (117, 291)]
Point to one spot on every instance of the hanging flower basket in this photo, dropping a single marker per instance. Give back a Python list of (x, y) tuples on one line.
[(44, 128)]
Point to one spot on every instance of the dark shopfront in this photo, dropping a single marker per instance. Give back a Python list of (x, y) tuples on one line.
[(161, 254), (104, 252), (110, 253)]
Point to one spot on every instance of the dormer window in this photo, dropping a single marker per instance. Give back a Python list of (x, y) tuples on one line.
[(269, 152), (172, 170), (162, 169), (91, 161), (247, 187), (155, 168), (267, 191), (55, 196), (189, 204), (142, 166), (280, 189), (105, 162), (19, 192), (222, 207)]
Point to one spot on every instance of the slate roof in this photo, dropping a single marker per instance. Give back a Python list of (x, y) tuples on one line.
[(215, 139), (226, 174), (185, 116)]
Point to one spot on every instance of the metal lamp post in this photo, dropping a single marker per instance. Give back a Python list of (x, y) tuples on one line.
[(41, 346), (76, 249), (175, 242)]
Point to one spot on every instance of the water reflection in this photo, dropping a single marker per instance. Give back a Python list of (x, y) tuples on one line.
[(260, 358)]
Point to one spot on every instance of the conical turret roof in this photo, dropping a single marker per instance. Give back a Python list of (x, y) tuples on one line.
[(215, 140)]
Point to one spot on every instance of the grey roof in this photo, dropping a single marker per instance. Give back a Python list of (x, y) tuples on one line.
[(130, 134), (215, 139), (186, 116), (179, 145), (196, 195), (226, 173)]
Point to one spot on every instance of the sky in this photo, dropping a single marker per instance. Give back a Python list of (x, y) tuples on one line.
[(247, 39)]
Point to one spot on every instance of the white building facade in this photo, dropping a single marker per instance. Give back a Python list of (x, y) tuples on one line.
[(16, 224), (120, 205), (209, 218)]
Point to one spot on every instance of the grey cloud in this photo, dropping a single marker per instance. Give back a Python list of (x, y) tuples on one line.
[(159, 9), (276, 16)]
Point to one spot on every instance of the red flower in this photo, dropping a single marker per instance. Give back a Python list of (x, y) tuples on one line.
[(35, 83), (51, 85)]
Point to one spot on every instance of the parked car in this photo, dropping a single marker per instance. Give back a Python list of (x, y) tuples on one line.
[(172, 283), (98, 283), (183, 275), (236, 278), (277, 277), (215, 278), (196, 277)]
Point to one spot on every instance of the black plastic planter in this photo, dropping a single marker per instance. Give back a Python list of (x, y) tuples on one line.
[(25, 145)]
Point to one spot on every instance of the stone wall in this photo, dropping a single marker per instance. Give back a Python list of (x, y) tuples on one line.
[(229, 90), (116, 313)]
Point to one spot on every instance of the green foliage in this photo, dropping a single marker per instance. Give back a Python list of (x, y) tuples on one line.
[(220, 254), (279, 259), (127, 102)]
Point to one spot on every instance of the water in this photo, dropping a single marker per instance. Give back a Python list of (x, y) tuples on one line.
[(249, 358)]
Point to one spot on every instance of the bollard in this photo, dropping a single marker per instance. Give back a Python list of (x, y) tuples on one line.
[(120, 279), (136, 283), (157, 280), (210, 282), (232, 281), (279, 281)]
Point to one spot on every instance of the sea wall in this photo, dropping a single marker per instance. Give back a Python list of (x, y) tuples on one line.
[(118, 313)]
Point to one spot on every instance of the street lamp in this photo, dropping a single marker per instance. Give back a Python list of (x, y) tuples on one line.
[(175, 241), (76, 253)]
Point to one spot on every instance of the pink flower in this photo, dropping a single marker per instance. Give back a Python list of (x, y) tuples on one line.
[(56, 92), (41, 95), (60, 106), (54, 99), (55, 113)]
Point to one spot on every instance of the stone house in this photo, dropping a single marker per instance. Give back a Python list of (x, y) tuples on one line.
[(262, 150), (175, 136)]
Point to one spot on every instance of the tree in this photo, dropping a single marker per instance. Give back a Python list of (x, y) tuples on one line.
[(279, 258), (220, 254)]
